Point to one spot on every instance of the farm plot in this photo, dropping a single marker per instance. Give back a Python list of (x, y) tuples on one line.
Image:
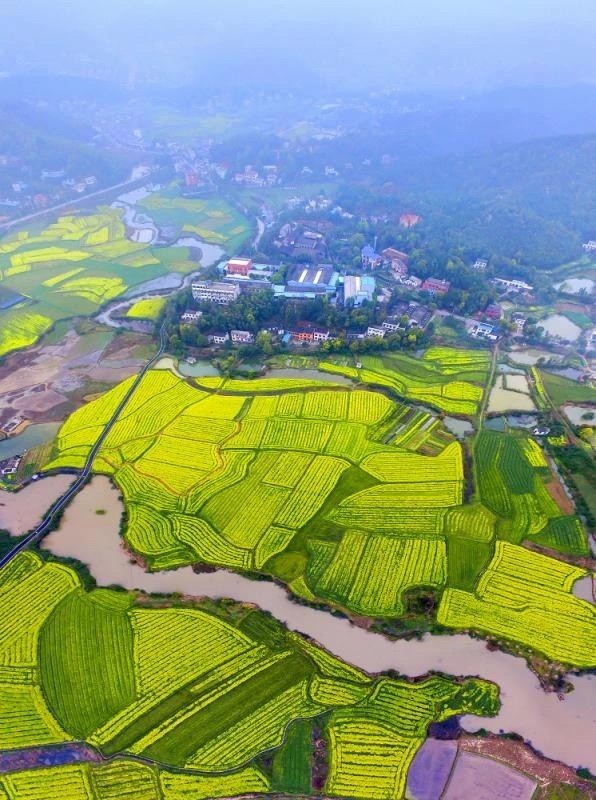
[(72, 268), (124, 779), (525, 597), (450, 380), (373, 745), (477, 776), (210, 686), (511, 474), (150, 308), (349, 575), (35, 590), (265, 482)]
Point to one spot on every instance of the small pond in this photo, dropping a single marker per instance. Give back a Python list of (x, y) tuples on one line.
[(502, 399), (210, 253), (561, 326), (508, 370), (575, 413), (576, 285), (522, 421), (569, 372), (459, 427), (32, 436), (201, 369), (529, 356)]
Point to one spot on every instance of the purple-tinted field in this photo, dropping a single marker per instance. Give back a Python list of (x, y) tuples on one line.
[(477, 778), (430, 769), (52, 755)]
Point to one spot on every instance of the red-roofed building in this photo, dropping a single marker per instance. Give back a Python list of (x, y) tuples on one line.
[(494, 311), (409, 220), (239, 266), (435, 286)]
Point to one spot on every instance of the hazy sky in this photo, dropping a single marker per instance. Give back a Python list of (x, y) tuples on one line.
[(418, 44)]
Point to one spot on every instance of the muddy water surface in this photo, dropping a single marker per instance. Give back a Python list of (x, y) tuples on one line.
[(561, 729), (21, 511)]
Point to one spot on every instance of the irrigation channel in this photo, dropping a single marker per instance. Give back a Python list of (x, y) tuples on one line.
[(78, 484)]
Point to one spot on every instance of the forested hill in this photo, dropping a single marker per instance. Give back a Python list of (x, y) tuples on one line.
[(532, 202)]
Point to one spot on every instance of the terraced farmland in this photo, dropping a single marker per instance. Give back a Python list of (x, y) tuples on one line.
[(296, 483), (447, 379), (209, 688)]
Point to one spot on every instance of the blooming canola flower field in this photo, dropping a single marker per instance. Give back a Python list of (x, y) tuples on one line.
[(322, 488), (79, 263), (204, 687)]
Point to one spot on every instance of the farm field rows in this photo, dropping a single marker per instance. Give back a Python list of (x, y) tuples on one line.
[(296, 483), (207, 687), (77, 264), (447, 379)]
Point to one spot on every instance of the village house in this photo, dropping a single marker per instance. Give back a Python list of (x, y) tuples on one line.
[(370, 258), (480, 265), (11, 465), (399, 269), (484, 330), (250, 177), (409, 220), (390, 254), (435, 286), (191, 316), (590, 247), (218, 337), (392, 324), (309, 333), (375, 330), (304, 280), (513, 285), (241, 337), (217, 292), (520, 322)]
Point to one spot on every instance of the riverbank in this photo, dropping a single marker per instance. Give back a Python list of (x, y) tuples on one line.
[(559, 728)]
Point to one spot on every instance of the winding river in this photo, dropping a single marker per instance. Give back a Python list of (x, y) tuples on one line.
[(559, 728)]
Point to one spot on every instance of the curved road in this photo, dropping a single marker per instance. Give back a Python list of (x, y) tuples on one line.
[(63, 501)]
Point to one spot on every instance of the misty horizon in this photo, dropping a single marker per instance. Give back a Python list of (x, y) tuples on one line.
[(461, 46)]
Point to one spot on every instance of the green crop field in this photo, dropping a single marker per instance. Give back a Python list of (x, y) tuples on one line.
[(124, 779), (448, 379), (343, 494), (213, 220), (561, 390), (525, 597), (79, 263), (204, 688), (511, 471)]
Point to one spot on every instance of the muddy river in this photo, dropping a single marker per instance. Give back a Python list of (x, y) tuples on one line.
[(20, 512), (561, 729)]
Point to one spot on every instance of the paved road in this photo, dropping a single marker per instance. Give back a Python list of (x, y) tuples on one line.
[(129, 184), (63, 501)]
